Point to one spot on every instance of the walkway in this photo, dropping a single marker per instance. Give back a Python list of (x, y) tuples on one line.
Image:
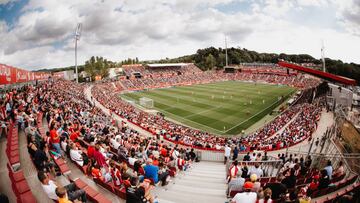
[(30, 171), (205, 182)]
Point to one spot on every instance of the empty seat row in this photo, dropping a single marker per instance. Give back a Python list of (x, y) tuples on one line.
[(12, 146), (354, 188), (19, 184), (91, 193), (335, 186)]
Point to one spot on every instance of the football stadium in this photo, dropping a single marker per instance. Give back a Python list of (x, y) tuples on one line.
[(216, 125)]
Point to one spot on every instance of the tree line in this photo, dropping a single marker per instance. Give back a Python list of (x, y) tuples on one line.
[(214, 58), (210, 58)]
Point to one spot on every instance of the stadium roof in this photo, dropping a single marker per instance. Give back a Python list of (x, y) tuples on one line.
[(318, 73), (159, 65)]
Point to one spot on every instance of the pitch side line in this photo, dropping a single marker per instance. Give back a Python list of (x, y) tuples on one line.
[(221, 131), (183, 118), (213, 108), (254, 115)]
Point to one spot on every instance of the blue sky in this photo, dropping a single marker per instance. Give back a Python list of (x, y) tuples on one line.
[(39, 33), (11, 11)]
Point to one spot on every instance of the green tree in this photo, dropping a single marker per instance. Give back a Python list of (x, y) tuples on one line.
[(210, 62), (98, 66)]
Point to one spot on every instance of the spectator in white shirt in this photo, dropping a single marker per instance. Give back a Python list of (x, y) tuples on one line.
[(256, 170), (175, 153), (227, 153), (253, 157), (132, 158), (246, 196), (50, 186), (63, 143), (75, 155), (114, 143)]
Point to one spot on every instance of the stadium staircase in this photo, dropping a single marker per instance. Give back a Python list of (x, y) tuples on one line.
[(204, 182)]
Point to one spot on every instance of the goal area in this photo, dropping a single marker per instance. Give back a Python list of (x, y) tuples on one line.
[(146, 102)]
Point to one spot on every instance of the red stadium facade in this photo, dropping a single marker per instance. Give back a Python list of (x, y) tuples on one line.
[(321, 74), (12, 75)]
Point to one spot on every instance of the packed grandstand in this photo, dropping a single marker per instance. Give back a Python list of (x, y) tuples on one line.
[(83, 142)]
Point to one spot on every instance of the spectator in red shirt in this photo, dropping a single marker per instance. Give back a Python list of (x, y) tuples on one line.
[(99, 157), (55, 139), (313, 186), (74, 136), (91, 150)]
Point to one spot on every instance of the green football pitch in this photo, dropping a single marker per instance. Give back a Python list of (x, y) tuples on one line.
[(224, 108)]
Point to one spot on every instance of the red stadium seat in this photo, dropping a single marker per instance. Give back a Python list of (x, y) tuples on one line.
[(90, 192), (64, 169), (21, 187), (14, 160), (120, 192), (18, 176), (80, 184), (107, 186), (26, 197), (99, 198)]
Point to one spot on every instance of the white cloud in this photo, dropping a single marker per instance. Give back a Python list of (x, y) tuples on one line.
[(43, 35), (349, 15), (277, 8), (312, 2)]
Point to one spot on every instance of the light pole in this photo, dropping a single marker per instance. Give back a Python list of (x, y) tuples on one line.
[(226, 56), (323, 56), (77, 37)]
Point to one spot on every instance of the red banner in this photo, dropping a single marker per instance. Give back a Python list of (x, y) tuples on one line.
[(11, 75), (59, 75)]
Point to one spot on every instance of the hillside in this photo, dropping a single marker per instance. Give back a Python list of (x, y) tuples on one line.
[(208, 58)]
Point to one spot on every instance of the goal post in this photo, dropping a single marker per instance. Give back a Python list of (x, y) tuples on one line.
[(146, 102)]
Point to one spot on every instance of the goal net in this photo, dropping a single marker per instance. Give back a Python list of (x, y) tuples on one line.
[(146, 102)]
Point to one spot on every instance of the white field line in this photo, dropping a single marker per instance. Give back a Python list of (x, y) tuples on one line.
[(221, 131), (255, 114), (183, 118), (179, 117), (213, 108)]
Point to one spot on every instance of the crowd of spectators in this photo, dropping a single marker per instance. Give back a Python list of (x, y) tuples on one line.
[(266, 138), (116, 154), (190, 74), (122, 157), (297, 181)]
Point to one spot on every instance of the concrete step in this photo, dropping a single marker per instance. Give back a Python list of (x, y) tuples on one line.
[(220, 180), (175, 196), (207, 173), (204, 182)]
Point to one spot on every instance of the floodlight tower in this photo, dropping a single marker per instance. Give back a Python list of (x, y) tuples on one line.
[(77, 38), (226, 55), (323, 55)]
